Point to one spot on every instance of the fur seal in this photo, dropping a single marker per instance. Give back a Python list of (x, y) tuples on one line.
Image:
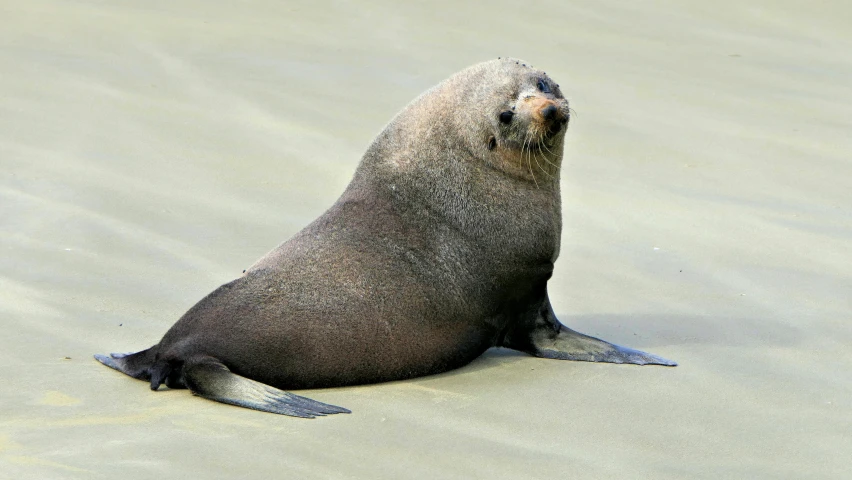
[(440, 248)]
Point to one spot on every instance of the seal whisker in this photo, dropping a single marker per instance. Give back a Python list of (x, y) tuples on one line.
[(556, 167), (540, 167), (541, 154), (529, 161), (544, 156)]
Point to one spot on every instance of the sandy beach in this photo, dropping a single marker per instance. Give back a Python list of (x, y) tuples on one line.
[(150, 151)]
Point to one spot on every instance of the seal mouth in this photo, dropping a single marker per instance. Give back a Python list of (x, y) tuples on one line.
[(543, 136), (554, 128)]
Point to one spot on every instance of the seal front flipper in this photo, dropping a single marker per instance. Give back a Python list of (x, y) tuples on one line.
[(568, 344), (209, 378), (546, 337)]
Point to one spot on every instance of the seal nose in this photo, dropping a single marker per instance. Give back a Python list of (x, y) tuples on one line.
[(549, 112)]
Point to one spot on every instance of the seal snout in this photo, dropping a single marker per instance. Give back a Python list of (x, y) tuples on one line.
[(549, 112), (550, 116)]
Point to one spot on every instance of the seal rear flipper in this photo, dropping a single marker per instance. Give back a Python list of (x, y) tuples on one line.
[(134, 364), (568, 344), (209, 378)]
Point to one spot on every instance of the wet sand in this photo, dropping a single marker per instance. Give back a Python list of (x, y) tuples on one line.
[(149, 153)]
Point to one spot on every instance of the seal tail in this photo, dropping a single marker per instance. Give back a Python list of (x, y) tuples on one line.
[(211, 379), (137, 365)]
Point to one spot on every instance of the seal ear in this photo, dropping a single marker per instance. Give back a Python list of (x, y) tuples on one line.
[(492, 142)]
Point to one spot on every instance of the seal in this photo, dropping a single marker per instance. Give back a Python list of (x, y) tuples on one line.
[(439, 249)]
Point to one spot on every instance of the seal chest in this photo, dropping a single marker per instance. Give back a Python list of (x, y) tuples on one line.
[(440, 248)]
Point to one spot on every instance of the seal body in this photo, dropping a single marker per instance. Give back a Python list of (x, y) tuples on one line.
[(440, 248)]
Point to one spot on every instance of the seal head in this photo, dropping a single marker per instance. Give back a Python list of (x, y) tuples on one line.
[(502, 113)]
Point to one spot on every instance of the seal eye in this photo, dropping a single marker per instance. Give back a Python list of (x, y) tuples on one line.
[(506, 117), (543, 87), (492, 143)]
